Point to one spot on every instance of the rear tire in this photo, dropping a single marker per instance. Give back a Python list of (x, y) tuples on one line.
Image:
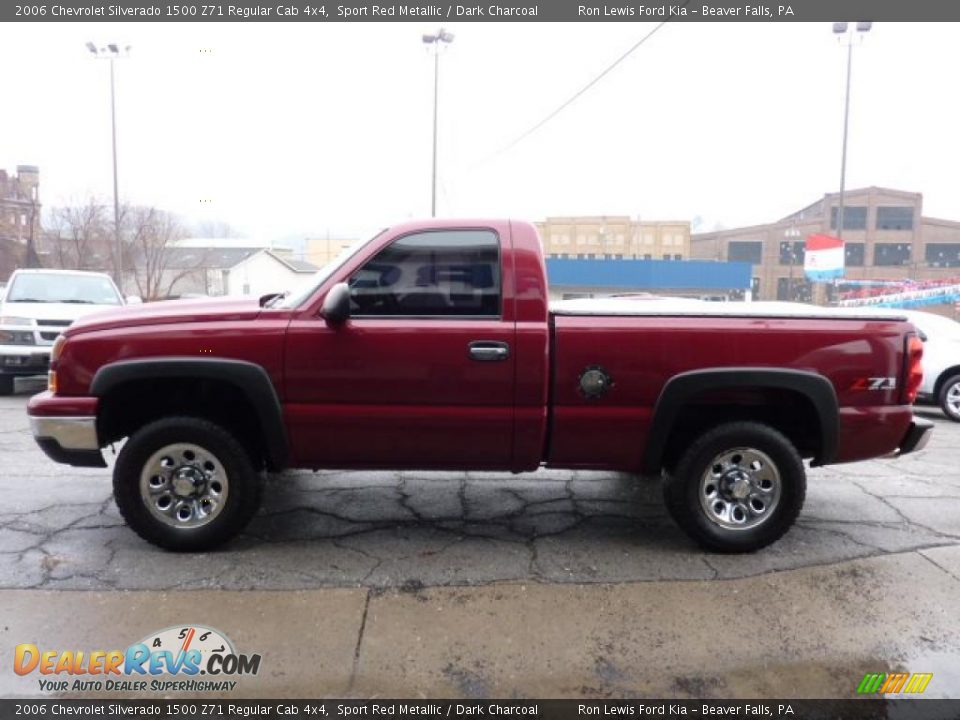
[(6, 385), (950, 398), (185, 484), (737, 488)]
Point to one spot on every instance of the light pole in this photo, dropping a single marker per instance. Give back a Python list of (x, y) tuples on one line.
[(441, 36), (791, 234), (112, 52), (841, 29)]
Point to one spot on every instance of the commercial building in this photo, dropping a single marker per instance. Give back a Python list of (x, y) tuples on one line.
[(886, 236), (614, 236)]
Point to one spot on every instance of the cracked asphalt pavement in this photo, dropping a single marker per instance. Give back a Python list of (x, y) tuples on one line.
[(556, 583)]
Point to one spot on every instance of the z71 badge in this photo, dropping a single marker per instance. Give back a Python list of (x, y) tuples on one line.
[(875, 383)]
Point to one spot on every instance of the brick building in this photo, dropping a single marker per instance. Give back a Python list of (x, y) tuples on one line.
[(19, 216), (614, 237), (886, 235)]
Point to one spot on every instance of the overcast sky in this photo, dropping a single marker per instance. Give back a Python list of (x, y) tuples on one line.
[(291, 129)]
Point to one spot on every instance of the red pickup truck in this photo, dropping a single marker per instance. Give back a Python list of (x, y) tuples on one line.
[(432, 346)]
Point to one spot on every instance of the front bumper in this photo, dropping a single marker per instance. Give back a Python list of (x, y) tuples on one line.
[(24, 359), (68, 440), (917, 436)]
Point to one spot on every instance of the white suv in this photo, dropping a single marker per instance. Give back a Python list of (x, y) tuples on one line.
[(37, 306)]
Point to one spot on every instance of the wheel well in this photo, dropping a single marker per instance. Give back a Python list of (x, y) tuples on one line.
[(788, 411), (944, 376), (130, 405)]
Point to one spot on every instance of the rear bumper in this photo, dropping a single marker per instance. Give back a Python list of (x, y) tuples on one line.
[(69, 438), (917, 436)]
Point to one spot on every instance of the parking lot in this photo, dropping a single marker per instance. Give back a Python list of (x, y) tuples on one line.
[(491, 585)]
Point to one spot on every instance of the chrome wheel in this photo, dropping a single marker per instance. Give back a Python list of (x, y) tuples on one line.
[(183, 485), (951, 400), (740, 488)]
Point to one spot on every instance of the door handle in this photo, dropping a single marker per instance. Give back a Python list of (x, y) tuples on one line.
[(488, 350)]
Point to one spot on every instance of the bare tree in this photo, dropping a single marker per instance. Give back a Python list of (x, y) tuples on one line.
[(151, 251), (78, 236)]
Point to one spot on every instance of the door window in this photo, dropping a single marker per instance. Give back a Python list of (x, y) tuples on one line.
[(447, 273)]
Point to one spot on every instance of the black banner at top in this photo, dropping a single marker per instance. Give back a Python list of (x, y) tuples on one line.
[(330, 709), (499, 11)]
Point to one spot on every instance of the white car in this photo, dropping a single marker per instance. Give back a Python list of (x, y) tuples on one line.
[(941, 361), (37, 306)]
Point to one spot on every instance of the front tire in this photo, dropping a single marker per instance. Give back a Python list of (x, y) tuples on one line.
[(185, 484), (737, 488), (950, 398)]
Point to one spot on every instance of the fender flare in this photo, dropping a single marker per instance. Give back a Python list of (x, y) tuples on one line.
[(679, 389), (250, 379)]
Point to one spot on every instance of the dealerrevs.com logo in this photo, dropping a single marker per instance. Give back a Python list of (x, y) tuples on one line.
[(186, 658)]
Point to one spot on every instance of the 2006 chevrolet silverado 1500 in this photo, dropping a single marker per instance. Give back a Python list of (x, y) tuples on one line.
[(432, 347)]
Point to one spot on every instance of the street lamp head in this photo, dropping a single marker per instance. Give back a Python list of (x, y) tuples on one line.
[(864, 26), (92, 48), (839, 28), (441, 36)]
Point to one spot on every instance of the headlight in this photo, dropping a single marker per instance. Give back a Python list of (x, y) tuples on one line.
[(13, 320), (16, 337)]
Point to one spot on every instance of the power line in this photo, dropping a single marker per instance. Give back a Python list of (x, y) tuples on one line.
[(580, 92)]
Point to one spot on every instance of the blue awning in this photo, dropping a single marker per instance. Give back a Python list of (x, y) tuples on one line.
[(649, 274)]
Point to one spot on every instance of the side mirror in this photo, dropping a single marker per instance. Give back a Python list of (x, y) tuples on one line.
[(336, 305), (134, 300)]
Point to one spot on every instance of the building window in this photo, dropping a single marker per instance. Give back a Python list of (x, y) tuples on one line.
[(666, 256), (854, 217), (678, 257), (887, 254), (755, 287), (794, 290), (792, 253), (943, 254), (894, 218), (647, 256), (853, 254), (745, 251)]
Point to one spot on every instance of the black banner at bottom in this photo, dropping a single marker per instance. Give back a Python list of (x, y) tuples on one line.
[(871, 709)]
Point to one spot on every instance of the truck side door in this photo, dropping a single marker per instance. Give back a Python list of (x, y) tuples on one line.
[(422, 373)]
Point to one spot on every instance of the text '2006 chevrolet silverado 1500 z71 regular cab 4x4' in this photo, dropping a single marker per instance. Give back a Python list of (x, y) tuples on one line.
[(432, 347)]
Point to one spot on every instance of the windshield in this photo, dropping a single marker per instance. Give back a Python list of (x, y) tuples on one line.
[(324, 273), (61, 288)]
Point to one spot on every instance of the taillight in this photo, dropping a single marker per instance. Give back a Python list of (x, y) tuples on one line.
[(913, 374)]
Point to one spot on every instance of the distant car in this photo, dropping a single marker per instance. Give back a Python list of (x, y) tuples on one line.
[(36, 307), (941, 361)]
